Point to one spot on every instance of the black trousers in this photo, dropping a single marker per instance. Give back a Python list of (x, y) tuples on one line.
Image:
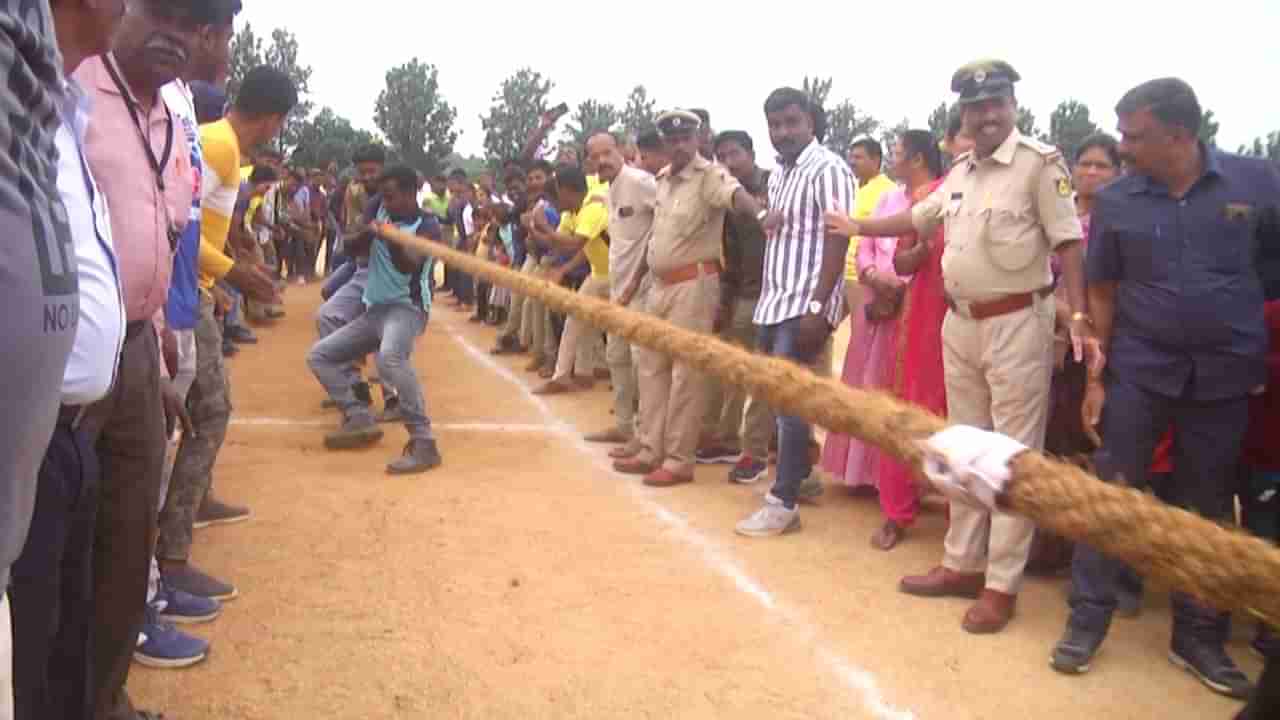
[(52, 587), (130, 429), (1265, 703), (1206, 450)]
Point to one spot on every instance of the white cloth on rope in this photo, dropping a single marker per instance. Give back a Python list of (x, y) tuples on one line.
[(970, 465)]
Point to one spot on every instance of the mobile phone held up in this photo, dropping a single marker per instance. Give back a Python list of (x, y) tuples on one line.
[(558, 111)]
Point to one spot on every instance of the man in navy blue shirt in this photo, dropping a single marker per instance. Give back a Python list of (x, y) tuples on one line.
[(1176, 301)]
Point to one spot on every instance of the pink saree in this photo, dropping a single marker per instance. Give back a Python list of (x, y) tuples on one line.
[(870, 360)]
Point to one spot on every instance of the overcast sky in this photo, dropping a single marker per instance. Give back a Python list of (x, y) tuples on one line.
[(893, 60)]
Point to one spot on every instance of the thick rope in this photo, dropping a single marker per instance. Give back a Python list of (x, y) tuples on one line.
[(1222, 566)]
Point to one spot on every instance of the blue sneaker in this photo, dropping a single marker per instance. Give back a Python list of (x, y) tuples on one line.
[(176, 606), (161, 645)]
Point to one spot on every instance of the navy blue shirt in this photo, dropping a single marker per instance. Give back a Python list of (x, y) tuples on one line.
[(1188, 303)]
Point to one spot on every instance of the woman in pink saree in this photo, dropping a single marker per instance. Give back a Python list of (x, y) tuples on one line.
[(868, 363), (909, 365)]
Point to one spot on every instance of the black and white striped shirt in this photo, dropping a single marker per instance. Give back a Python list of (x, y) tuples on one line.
[(818, 181)]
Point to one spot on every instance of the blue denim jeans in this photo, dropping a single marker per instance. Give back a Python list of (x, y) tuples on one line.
[(391, 331), (794, 433)]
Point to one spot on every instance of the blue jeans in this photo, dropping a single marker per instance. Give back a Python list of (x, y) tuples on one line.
[(391, 331), (794, 433)]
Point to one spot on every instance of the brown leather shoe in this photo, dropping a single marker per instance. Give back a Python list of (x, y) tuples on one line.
[(941, 582), (663, 477), (633, 466), (991, 613)]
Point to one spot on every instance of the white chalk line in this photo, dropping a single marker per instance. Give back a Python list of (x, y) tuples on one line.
[(851, 675), (457, 427)]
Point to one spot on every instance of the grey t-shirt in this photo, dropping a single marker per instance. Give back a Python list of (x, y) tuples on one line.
[(39, 295)]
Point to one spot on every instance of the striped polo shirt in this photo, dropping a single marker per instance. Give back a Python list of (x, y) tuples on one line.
[(819, 181)]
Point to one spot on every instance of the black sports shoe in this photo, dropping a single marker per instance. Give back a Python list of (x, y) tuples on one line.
[(419, 456), (1211, 664), (1074, 652)]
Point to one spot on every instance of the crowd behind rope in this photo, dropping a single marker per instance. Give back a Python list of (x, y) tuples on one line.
[(1115, 308)]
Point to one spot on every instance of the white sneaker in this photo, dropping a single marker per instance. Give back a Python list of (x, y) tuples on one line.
[(772, 519)]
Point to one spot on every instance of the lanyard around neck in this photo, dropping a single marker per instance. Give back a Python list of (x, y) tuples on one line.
[(157, 164)]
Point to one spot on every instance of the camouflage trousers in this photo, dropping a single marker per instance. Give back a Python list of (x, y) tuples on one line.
[(209, 404)]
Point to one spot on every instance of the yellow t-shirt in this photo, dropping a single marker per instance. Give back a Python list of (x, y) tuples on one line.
[(250, 214), (218, 199), (864, 204), (591, 221)]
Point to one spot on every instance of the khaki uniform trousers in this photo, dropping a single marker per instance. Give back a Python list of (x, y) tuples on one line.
[(997, 374), (731, 414), (673, 394)]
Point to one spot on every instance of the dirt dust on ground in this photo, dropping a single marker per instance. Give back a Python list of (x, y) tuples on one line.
[(524, 579)]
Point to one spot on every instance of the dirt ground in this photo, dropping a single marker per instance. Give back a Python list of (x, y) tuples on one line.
[(524, 579)]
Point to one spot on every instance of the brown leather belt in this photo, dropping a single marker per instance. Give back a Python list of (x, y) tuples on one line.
[(995, 308), (689, 272)]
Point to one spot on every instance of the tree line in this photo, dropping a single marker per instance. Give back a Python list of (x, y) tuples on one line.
[(419, 125)]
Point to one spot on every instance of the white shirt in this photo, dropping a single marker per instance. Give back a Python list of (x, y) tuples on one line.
[(819, 182), (91, 368), (631, 201)]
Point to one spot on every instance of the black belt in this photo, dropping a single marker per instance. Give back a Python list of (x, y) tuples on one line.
[(69, 414), (132, 329)]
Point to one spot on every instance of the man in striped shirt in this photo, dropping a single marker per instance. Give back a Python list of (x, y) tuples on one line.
[(802, 299)]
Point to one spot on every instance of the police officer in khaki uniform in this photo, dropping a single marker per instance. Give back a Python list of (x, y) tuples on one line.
[(684, 260), (1006, 205)]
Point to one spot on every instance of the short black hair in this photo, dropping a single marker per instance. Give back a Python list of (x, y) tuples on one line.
[(1103, 142), (649, 140), (921, 142), (513, 164), (458, 174), (870, 145), (405, 178), (704, 116), (271, 153), (263, 174), (785, 97), (544, 166), (1171, 100), (736, 136), (372, 152), (438, 177), (266, 91), (571, 178)]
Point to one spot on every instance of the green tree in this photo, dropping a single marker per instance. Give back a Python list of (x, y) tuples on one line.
[(248, 52), (639, 113), (328, 137), (940, 118), (1026, 123), (1069, 125), (515, 113), (1208, 129), (846, 123), (415, 117), (1268, 147), (282, 53), (591, 117), (817, 89), (471, 164)]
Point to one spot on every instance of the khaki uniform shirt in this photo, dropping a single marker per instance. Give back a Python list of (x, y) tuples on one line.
[(688, 218), (1004, 215)]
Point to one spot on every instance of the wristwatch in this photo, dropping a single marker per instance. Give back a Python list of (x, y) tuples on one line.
[(760, 216), (815, 307)]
